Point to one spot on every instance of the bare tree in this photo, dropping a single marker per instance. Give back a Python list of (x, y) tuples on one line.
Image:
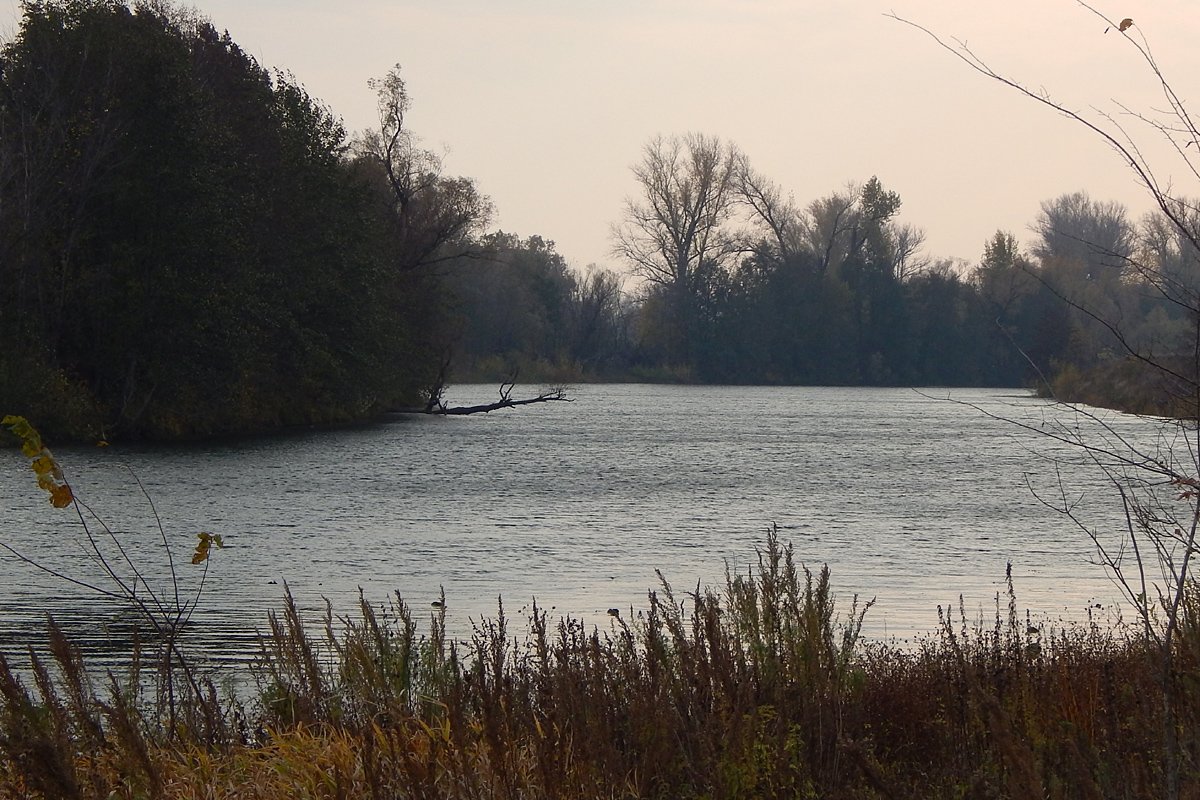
[(596, 314), (779, 219), (678, 229), (907, 259), (832, 228)]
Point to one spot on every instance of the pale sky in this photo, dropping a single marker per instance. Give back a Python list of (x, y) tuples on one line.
[(547, 103)]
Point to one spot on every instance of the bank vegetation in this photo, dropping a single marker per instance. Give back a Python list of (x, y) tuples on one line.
[(759, 689)]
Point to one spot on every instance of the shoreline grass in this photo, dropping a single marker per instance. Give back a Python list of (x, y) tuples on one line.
[(759, 689)]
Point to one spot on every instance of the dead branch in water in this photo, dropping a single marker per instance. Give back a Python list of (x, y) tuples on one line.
[(437, 405), (556, 393)]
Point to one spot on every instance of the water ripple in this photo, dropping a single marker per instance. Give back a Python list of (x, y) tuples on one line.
[(909, 499)]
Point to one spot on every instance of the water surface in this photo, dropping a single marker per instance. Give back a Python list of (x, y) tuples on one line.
[(910, 497)]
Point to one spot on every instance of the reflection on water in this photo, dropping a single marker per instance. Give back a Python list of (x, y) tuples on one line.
[(909, 498)]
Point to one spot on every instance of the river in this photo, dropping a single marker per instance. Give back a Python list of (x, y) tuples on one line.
[(912, 497)]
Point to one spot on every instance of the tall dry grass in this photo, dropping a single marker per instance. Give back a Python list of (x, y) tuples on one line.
[(760, 689)]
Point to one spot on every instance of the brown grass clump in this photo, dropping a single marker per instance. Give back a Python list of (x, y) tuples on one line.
[(759, 690)]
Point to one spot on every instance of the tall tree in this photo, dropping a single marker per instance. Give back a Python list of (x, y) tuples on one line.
[(679, 226), (434, 216), (1085, 248), (854, 225), (780, 223), (1097, 237), (677, 234)]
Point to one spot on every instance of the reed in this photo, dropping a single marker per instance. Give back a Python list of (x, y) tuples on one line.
[(759, 688)]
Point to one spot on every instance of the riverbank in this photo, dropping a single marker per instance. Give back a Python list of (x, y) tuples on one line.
[(760, 689), (1131, 386)]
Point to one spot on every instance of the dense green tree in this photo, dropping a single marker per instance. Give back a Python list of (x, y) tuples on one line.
[(521, 309), (191, 248), (514, 300), (951, 338), (598, 326), (785, 323)]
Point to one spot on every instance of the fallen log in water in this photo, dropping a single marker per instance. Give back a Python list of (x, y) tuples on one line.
[(437, 405)]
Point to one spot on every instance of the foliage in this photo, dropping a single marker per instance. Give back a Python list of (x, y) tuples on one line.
[(836, 292), (49, 474), (519, 308), (188, 245), (744, 285)]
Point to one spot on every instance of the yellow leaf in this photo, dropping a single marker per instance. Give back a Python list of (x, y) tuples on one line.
[(207, 540), (1125, 25), (44, 464), (31, 443), (61, 496), (49, 474)]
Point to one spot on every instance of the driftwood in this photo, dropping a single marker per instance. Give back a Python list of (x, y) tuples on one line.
[(557, 393), (437, 405)]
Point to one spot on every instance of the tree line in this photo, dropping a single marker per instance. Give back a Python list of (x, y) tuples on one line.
[(192, 245), (737, 282), (747, 285)]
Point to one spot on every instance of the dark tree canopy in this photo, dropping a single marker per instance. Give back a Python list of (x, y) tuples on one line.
[(189, 245)]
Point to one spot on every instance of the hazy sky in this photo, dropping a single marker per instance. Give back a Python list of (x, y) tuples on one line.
[(547, 103)]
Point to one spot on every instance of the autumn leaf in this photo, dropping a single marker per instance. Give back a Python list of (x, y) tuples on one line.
[(202, 548), (43, 464), (1125, 25), (19, 426), (205, 545), (49, 475), (61, 496)]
